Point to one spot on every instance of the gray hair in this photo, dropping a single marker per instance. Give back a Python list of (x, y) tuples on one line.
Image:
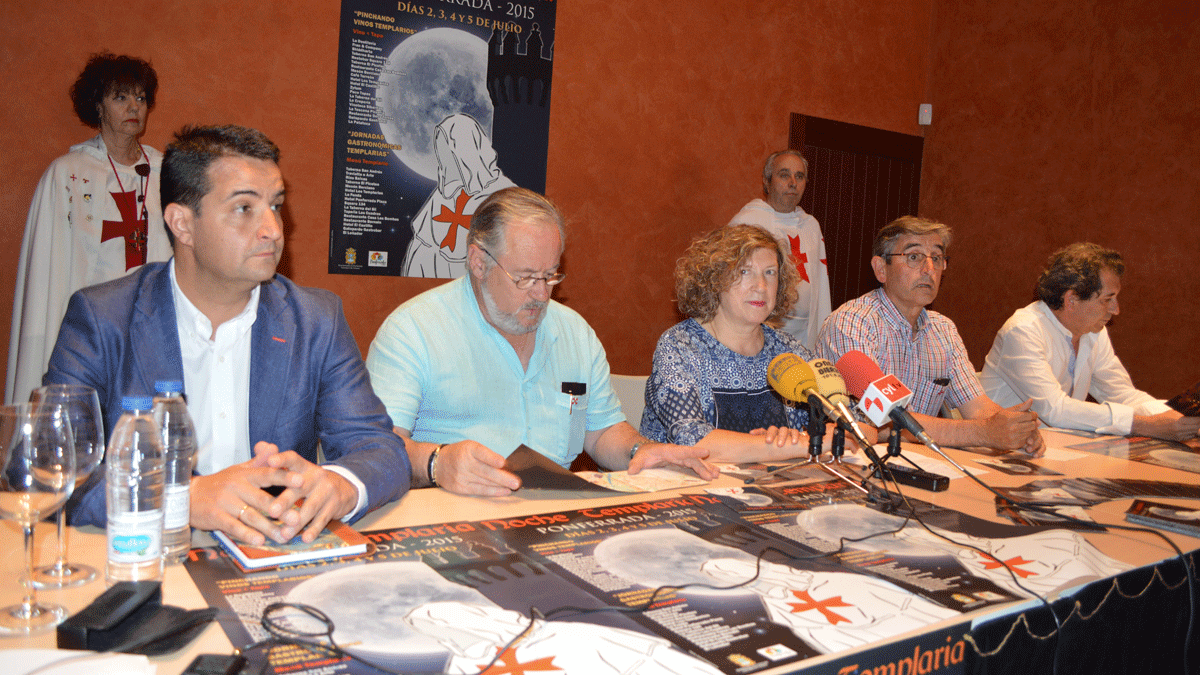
[(490, 221), (769, 165), (886, 237)]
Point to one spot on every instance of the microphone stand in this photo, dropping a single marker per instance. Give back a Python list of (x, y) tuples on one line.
[(816, 439), (816, 430), (894, 448)]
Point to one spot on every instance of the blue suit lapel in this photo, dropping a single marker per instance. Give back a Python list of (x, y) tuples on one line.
[(272, 349), (154, 336)]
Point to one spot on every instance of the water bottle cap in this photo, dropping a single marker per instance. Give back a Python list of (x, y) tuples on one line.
[(137, 403), (168, 387)]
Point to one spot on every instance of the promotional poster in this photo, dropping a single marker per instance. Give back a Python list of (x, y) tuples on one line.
[(440, 103), (697, 583)]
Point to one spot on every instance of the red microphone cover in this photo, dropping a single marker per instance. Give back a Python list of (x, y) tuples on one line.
[(859, 371)]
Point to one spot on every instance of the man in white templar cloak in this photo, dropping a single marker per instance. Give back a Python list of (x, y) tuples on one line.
[(467, 174), (830, 611), (785, 175)]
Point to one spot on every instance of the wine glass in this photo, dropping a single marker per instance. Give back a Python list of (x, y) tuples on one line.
[(39, 472), (81, 406)]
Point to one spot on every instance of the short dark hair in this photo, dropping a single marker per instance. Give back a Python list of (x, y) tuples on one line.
[(184, 178), (489, 221), (709, 267), (886, 237), (106, 73), (1076, 268)]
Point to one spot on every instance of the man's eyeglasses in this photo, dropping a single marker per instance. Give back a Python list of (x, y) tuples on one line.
[(916, 260), (524, 283)]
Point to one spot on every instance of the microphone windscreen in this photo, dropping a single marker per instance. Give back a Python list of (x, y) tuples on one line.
[(859, 371), (142, 170), (829, 381), (789, 375)]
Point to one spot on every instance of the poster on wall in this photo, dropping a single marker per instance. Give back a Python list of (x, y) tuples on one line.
[(440, 103)]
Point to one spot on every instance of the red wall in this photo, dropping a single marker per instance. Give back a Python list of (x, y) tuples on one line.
[(661, 116), (1059, 122)]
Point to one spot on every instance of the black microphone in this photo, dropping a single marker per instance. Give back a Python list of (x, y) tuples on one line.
[(142, 170)]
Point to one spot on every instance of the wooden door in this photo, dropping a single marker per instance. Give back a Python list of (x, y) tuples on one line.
[(859, 179)]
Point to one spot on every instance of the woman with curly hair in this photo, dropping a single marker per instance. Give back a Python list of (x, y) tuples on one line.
[(95, 214), (708, 386)]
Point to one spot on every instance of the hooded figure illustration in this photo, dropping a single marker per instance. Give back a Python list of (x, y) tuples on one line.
[(467, 174)]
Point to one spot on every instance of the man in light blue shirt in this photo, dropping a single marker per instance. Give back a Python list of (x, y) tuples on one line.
[(472, 369)]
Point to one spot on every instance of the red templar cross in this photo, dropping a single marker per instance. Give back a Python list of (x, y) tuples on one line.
[(456, 218), (821, 606), (801, 258), (129, 227), (509, 665), (1013, 563)]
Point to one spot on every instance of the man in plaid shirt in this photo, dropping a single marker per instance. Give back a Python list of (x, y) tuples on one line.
[(921, 347)]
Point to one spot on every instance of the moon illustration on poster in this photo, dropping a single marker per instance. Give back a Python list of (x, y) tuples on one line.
[(368, 603), (853, 521), (428, 77), (663, 557)]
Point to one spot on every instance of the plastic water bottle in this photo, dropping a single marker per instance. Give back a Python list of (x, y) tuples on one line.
[(135, 495), (179, 458)]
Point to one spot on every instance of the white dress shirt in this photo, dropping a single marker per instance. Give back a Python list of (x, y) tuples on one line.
[(1032, 358), (216, 376)]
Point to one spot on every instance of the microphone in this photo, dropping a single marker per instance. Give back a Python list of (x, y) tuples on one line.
[(881, 397), (887, 395), (832, 387), (794, 379), (142, 170)]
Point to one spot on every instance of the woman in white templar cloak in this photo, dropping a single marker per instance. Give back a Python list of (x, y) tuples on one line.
[(405, 616), (95, 214), (830, 611), (467, 174), (1043, 562)]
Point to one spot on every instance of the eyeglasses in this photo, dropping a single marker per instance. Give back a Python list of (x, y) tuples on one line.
[(524, 283), (916, 260)]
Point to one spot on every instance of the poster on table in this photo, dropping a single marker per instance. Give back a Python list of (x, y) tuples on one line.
[(440, 103), (763, 588)]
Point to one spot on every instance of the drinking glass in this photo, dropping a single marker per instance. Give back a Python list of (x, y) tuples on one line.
[(81, 406), (39, 472)]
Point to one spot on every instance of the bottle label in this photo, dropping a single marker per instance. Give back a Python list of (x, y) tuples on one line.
[(178, 507), (135, 537)]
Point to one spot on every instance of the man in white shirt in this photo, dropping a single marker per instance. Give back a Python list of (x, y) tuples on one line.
[(269, 368), (785, 176), (1057, 352)]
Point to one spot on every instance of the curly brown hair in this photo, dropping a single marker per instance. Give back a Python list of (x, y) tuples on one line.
[(106, 73), (709, 264), (1076, 268)]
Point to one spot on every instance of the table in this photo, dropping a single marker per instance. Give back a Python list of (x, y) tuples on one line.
[(431, 506)]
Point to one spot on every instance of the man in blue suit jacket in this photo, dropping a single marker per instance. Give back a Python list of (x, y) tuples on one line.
[(217, 303)]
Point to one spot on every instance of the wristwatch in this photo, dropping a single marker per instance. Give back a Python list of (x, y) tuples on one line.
[(431, 467), (633, 450)]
